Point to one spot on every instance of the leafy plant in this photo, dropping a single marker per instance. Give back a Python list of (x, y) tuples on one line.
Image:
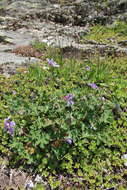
[(70, 121)]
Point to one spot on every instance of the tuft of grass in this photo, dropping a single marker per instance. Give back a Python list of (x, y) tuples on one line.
[(39, 46)]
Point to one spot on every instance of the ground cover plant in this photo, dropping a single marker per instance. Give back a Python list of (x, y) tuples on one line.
[(66, 119), (110, 34)]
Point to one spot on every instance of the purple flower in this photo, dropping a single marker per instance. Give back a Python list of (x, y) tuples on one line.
[(69, 140), (52, 63), (93, 85), (60, 177), (87, 68), (69, 99), (9, 125), (14, 92)]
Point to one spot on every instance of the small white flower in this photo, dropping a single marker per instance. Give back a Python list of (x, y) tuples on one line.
[(38, 179), (92, 127), (29, 185), (45, 68), (102, 98), (124, 157)]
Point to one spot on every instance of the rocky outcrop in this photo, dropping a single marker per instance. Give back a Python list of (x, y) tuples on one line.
[(9, 61), (76, 12), (60, 23)]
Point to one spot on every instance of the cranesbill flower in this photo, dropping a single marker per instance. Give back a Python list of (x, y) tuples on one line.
[(69, 140), (93, 85), (69, 99), (87, 68), (9, 125), (52, 63), (29, 185)]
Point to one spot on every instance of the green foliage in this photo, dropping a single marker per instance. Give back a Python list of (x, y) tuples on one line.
[(110, 34), (44, 122), (39, 45)]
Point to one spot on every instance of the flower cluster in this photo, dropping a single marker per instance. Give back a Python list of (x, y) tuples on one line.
[(69, 141), (69, 99), (87, 68), (93, 85), (52, 63), (9, 125)]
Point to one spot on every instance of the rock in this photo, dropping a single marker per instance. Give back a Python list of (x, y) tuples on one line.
[(123, 43), (61, 24), (4, 181), (18, 60), (76, 12), (10, 40), (2, 38), (13, 179), (123, 17), (122, 5), (10, 62), (93, 42)]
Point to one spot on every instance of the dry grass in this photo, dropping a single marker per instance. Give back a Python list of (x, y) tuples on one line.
[(27, 51)]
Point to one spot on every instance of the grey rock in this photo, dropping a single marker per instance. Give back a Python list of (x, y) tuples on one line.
[(57, 24), (123, 43), (9, 40), (6, 57), (9, 63)]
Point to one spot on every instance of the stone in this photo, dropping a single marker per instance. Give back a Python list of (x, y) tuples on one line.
[(123, 43)]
